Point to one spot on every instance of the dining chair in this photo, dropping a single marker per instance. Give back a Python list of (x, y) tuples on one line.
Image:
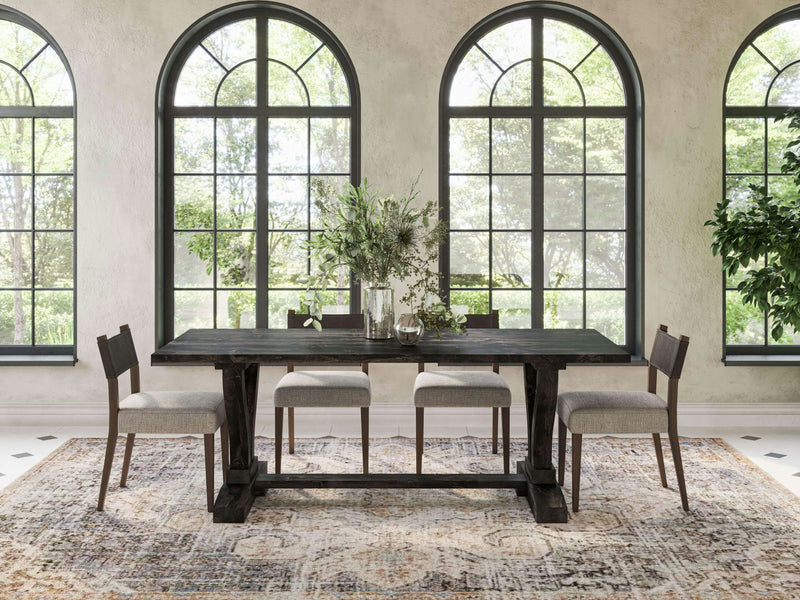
[(611, 412), (465, 388), (318, 389), (173, 412)]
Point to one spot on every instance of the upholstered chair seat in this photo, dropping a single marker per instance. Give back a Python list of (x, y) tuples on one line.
[(620, 411), (172, 412)]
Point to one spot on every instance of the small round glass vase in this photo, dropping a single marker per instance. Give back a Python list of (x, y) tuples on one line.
[(408, 329)]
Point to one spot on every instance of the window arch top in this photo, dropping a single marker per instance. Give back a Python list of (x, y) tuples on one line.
[(301, 69), (31, 72), (498, 69)]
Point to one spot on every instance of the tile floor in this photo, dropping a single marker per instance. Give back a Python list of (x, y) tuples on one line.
[(776, 451)]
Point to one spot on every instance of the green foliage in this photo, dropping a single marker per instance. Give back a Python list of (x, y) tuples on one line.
[(766, 229)]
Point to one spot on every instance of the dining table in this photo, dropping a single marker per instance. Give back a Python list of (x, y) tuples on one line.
[(239, 353)]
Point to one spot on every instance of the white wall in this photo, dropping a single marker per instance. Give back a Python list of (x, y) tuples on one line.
[(399, 48)]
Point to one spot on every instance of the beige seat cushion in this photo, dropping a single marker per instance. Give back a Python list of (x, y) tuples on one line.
[(461, 388), (171, 412), (323, 388), (612, 412)]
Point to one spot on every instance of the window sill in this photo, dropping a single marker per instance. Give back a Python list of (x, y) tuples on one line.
[(37, 360), (762, 360)]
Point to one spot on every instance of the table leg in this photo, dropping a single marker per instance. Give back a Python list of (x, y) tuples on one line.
[(544, 495), (240, 388)]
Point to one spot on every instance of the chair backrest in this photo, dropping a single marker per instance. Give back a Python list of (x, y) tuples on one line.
[(118, 355), (330, 321), (668, 353), (478, 321)]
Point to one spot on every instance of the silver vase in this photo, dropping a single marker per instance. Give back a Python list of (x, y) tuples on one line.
[(378, 311)]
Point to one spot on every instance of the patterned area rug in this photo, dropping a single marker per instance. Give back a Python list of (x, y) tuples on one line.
[(630, 540)]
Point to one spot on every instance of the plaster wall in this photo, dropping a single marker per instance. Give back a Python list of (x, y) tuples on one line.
[(399, 48)]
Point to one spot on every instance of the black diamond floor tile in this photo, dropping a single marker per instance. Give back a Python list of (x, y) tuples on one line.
[(752, 438), (22, 455), (774, 455), (45, 438), (796, 474)]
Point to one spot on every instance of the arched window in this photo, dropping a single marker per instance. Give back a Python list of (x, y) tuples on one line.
[(763, 82), (541, 172), (37, 192), (258, 107)]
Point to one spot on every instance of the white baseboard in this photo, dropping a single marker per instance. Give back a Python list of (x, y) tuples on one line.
[(773, 415)]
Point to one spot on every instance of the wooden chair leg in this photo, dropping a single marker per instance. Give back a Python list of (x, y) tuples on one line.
[(576, 470), (506, 410), (291, 430), (420, 430), (660, 459), (562, 450), (111, 446), (126, 462), (365, 438), (676, 457), (208, 439), (224, 442), (278, 437), (494, 430)]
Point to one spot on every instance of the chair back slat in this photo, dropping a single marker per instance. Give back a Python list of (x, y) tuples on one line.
[(489, 320), (117, 352), (330, 321), (669, 353)]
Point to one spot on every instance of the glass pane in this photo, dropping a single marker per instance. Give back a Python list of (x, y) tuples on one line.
[(514, 87), (15, 202), (194, 145), (288, 202), (15, 317), (335, 184), (605, 311), (469, 202), (239, 87), (15, 153), (54, 202), (509, 43), (744, 323), (511, 145), (790, 337), (193, 310), (563, 260), (469, 259), (559, 87), (285, 88), (605, 259), (781, 44), (54, 145), (778, 137), (335, 302), (600, 80), (198, 81), (511, 259), (563, 309), (289, 43), (13, 89), (469, 145), (738, 189), (236, 260), (514, 309), (781, 187), (236, 145), (605, 202), (49, 80), (563, 145), (236, 309), (54, 318), (330, 145), (473, 302), (194, 202), (786, 89), (194, 260), (563, 202), (564, 43), (605, 146), (511, 202), (749, 80), (236, 202), (54, 252), (288, 145), (279, 305), (324, 77), (744, 145), (288, 260), (234, 43), (472, 84), (15, 259)]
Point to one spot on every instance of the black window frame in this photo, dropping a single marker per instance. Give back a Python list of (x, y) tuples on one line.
[(166, 112), (634, 156)]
